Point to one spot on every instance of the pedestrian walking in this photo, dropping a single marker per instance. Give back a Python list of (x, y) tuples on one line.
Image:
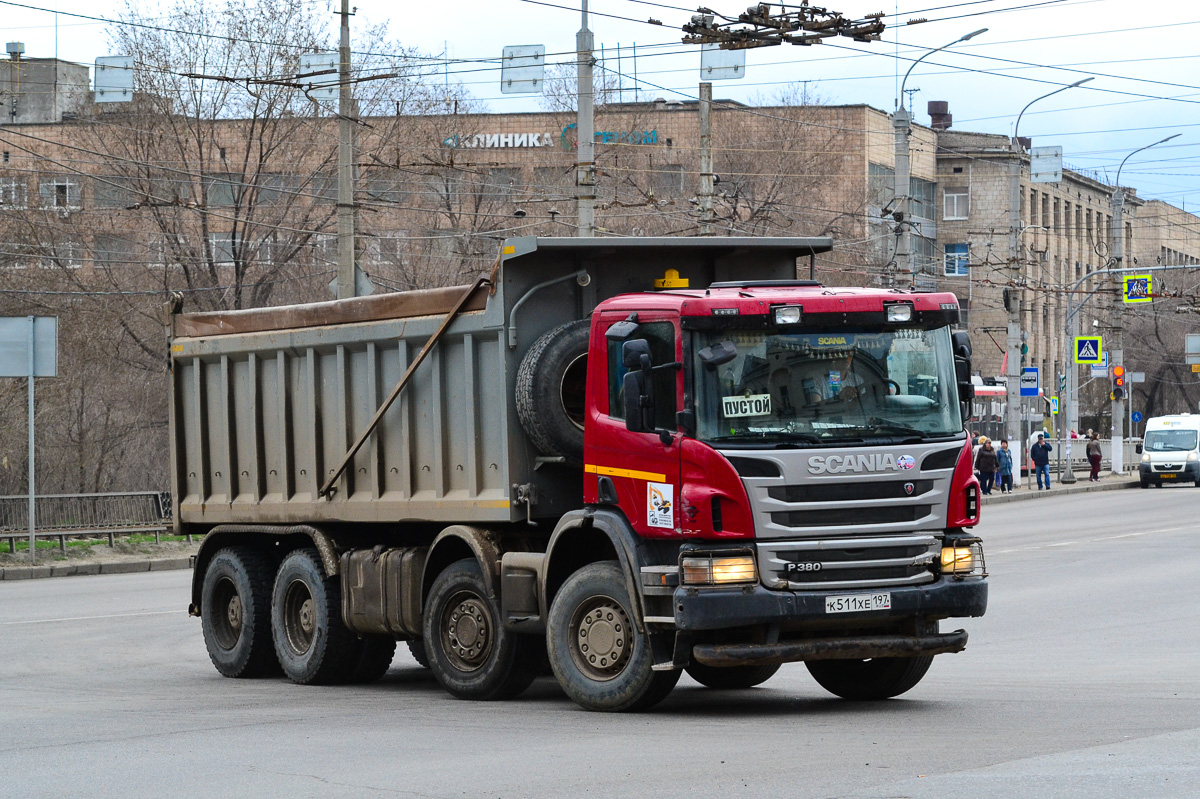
[(1039, 453), (1004, 463), (1093, 454), (986, 464)]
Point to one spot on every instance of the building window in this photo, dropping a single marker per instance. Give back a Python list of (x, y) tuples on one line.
[(12, 194), (956, 204), (66, 254), (113, 252), (59, 192), (955, 260)]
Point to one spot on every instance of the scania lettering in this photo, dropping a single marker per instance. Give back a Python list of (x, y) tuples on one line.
[(637, 457)]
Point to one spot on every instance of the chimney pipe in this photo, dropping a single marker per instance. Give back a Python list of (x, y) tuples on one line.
[(939, 115)]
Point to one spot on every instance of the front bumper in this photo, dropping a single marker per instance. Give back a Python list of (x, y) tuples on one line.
[(699, 609), (1188, 473), (852, 648)]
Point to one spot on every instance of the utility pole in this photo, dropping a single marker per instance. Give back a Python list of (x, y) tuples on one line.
[(585, 158), (706, 160), (902, 129), (1118, 347), (347, 213)]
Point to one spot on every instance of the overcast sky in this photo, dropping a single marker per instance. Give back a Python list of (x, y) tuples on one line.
[(1144, 58)]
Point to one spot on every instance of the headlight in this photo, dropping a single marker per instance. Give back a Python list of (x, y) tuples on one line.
[(901, 312), (1145, 457), (787, 315), (713, 570), (964, 559), (1193, 456)]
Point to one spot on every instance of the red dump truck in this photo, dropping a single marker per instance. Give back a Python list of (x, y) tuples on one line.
[(626, 457)]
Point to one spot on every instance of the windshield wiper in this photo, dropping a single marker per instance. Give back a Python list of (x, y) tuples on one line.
[(780, 436)]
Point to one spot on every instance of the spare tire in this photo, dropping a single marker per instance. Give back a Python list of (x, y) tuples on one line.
[(551, 391)]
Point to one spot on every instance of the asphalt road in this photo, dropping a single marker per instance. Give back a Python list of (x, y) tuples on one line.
[(1080, 682)]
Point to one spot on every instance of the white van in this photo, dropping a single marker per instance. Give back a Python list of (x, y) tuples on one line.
[(1171, 450)]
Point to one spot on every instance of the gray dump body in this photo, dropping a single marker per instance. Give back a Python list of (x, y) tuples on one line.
[(266, 403)]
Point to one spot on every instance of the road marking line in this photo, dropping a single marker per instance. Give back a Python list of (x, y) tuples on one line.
[(91, 618)]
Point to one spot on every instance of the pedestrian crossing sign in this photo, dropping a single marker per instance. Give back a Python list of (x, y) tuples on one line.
[(1088, 349), (1137, 288)]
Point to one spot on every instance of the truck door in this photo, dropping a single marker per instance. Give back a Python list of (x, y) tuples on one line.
[(637, 470)]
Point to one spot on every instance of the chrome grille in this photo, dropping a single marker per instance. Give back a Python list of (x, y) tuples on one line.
[(846, 563)]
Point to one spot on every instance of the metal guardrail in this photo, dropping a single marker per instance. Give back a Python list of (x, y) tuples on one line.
[(64, 516)]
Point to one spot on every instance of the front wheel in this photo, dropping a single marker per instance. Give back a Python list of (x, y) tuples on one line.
[(731, 678), (867, 680), (469, 651), (596, 651)]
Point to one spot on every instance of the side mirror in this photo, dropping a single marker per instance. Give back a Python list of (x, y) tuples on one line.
[(639, 402), (962, 344), (632, 352), (1138, 449)]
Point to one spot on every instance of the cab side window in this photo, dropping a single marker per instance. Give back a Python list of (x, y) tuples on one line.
[(661, 338)]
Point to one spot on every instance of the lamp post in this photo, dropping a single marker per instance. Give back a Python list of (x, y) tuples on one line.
[(902, 129), (1118, 347), (1012, 295)]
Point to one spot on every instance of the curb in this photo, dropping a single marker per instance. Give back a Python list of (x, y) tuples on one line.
[(1022, 494), (114, 567)]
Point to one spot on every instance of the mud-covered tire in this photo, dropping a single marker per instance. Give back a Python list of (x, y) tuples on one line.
[(470, 652), (416, 648), (732, 678), (311, 641), (235, 613), (869, 680), (600, 659), (551, 390), (375, 654)]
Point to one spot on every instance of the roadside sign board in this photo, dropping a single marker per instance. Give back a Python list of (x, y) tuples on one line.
[(1088, 349), (1029, 381), (1136, 288), (1053, 405), (1101, 369), (1135, 417), (1191, 349), (1045, 164), (16, 338)]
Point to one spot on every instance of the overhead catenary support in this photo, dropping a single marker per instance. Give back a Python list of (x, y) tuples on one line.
[(706, 160), (1118, 332), (585, 157), (1012, 301), (346, 211)]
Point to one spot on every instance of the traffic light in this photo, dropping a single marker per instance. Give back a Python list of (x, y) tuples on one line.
[(1118, 382)]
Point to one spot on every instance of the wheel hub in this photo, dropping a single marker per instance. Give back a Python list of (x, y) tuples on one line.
[(233, 613), (602, 642), (467, 636), (299, 617)]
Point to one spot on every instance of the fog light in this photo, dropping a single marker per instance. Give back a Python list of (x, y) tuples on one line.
[(787, 315), (719, 570), (963, 561), (901, 312)]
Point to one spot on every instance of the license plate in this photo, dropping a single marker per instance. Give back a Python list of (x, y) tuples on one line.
[(857, 603), (1170, 476)]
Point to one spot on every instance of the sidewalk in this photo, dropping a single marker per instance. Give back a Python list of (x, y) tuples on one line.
[(1029, 489)]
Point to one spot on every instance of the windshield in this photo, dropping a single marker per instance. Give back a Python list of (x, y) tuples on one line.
[(814, 388), (1171, 440)]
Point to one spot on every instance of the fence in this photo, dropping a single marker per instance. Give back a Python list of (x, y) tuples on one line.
[(64, 516)]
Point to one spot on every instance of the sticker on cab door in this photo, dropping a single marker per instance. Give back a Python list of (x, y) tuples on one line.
[(659, 498)]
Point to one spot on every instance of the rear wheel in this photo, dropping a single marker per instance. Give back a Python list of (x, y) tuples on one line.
[(469, 651), (375, 653), (596, 651), (416, 648), (313, 644), (732, 677), (235, 613), (864, 680)]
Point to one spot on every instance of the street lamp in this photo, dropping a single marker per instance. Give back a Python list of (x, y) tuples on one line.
[(1118, 353), (902, 128), (1013, 302)]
